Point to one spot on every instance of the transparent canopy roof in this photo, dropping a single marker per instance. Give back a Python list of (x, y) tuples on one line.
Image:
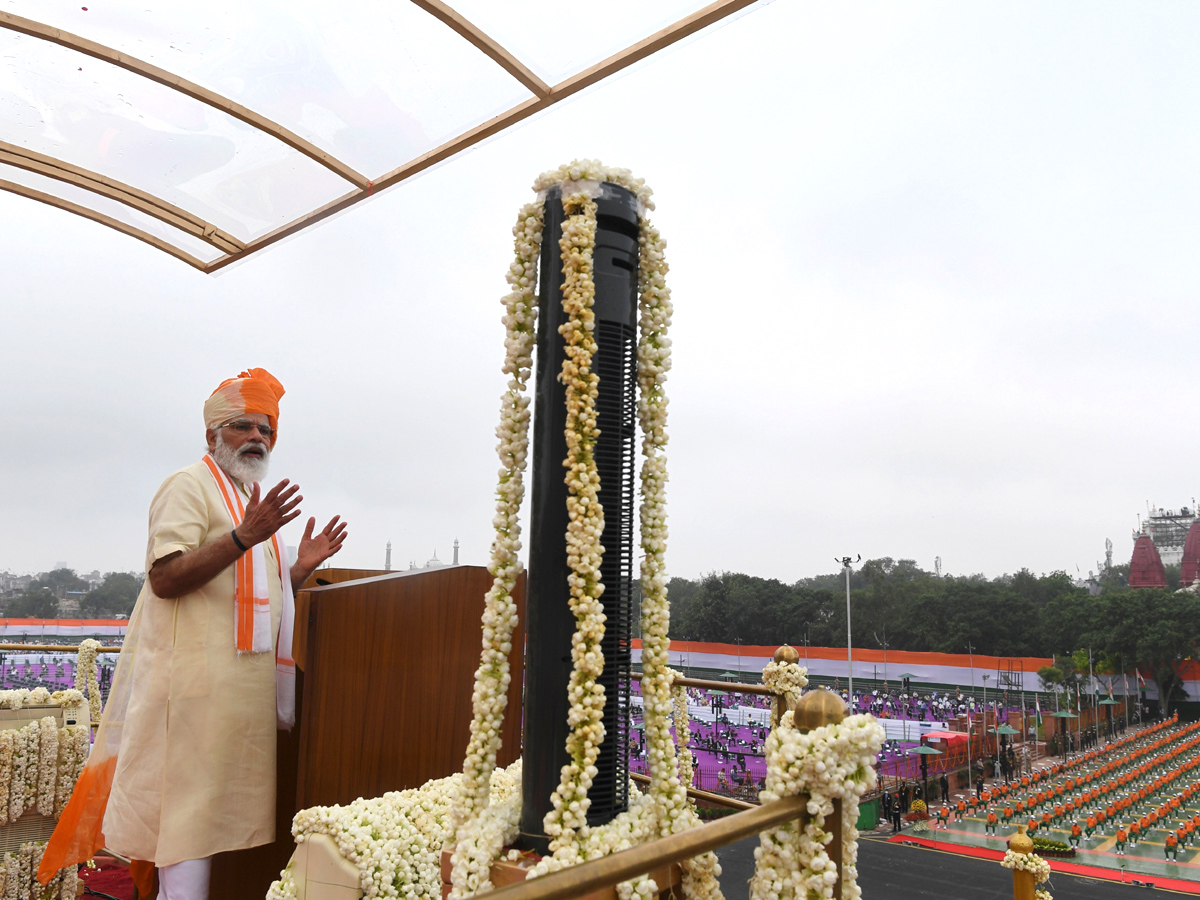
[(211, 131)]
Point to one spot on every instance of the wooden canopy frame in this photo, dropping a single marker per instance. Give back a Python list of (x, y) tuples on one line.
[(232, 249)]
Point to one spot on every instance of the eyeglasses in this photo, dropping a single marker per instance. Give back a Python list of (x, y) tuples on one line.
[(245, 426)]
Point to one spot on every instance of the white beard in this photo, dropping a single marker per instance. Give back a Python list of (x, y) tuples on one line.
[(244, 469)]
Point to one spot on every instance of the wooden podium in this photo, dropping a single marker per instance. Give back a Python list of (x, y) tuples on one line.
[(385, 671)]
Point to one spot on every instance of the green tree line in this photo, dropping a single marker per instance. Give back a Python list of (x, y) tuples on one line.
[(895, 602), (114, 596)]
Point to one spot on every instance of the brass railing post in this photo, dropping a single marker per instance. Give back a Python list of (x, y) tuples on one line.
[(815, 710), (1023, 883), (835, 846)]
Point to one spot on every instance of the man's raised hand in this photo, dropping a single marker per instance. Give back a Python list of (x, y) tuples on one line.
[(267, 515)]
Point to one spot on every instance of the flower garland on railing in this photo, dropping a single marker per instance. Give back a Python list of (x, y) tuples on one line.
[(831, 762), (683, 731), (1032, 863), (86, 677), (788, 679)]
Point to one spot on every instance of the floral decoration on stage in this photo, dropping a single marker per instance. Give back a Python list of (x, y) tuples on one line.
[(831, 762), (39, 765), (394, 841), (86, 678), (18, 877)]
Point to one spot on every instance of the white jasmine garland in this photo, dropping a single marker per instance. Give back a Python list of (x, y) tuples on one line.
[(6, 762), (73, 746), (20, 770), (788, 679), (47, 776), (24, 869), (86, 677), (831, 762), (395, 840), (490, 697), (68, 698), (683, 731), (33, 736), (1027, 862), (568, 815)]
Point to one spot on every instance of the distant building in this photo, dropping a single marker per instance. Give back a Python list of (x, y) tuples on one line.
[(1190, 568), (432, 563), (1168, 529), (1146, 567)]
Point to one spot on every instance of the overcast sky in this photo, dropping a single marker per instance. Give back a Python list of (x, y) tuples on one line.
[(935, 279)]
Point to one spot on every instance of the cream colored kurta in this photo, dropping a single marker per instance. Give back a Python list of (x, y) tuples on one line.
[(196, 767)]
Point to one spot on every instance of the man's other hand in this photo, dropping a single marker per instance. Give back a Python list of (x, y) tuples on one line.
[(267, 515)]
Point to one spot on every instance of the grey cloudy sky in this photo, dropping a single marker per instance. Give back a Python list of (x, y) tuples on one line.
[(934, 274)]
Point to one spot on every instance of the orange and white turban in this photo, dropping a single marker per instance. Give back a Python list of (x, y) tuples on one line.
[(253, 391)]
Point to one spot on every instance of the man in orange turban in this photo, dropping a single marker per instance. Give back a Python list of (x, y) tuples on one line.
[(209, 641)]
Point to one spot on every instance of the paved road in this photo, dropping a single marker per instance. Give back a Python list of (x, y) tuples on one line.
[(895, 872)]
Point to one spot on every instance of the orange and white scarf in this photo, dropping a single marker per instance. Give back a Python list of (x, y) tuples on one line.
[(252, 602)]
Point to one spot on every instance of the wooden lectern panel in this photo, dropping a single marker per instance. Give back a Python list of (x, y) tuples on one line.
[(386, 672), (389, 665)]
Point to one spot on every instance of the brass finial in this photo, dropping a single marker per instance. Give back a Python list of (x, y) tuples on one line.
[(817, 708), (1020, 842), (787, 654)]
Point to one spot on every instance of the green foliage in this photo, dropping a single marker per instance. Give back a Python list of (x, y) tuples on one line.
[(59, 581), (1042, 845), (912, 609), (1051, 677), (892, 600), (35, 603), (115, 596)]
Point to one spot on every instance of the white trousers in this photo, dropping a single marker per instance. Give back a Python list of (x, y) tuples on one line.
[(187, 880)]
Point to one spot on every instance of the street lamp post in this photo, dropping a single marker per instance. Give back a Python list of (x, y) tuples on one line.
[(970, 730), (846, 564)]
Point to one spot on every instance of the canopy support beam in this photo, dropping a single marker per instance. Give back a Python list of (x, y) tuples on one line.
[(484, 42), (85, 212), (33, 29), (166, 212), (635, 53)]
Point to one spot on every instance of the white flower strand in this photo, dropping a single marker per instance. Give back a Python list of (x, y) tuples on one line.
[(683, 732), (18, 876), (490, 697), (568, 815), (47, 777), (74, 744), (788, 679), (395, 841), (831, 762), (483, 824), (85, 675), (1027, 862)]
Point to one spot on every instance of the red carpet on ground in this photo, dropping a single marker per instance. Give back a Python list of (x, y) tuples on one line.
[(109, 877), (1056, 865)]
